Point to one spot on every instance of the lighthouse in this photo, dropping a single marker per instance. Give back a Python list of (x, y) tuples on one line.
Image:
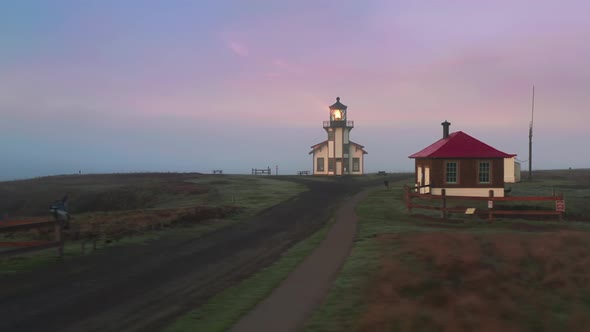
[(338, 155)]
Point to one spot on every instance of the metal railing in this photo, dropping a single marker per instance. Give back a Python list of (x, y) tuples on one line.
[(339, 124)]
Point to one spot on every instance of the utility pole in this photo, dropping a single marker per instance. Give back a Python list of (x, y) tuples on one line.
[(531, 137)]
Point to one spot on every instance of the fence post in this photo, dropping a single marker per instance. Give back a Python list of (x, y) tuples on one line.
[(443, 211), (560, 197), (491, 205), (407, 198), (58, 238)]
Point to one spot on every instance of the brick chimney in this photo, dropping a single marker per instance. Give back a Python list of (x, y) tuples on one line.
[(446, 126)]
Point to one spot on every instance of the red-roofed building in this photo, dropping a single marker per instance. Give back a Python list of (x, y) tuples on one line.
[(462, 165)]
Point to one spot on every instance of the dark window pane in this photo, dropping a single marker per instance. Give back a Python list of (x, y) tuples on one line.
[(331, 164), (484, 172), (320, 165), (356, 164), (451, 172)]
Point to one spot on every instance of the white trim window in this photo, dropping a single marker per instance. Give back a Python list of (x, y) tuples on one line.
[(484, 174), (452, 172)]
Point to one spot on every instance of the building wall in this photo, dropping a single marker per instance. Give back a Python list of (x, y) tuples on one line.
[(467, 184), (321, 152), (472, 192), (510, 170), (338, 141), (356, 152), (468, 173), (421, 166), (335, 149), (422, 163)]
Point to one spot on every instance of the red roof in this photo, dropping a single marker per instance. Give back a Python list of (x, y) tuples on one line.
[(460, 145)]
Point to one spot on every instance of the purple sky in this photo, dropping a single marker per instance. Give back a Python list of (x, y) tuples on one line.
[(108, 86)]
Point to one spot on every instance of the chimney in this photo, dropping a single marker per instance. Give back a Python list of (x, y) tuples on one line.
[(446, 126)]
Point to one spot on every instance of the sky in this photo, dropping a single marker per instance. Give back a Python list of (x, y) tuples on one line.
[(171, 85)]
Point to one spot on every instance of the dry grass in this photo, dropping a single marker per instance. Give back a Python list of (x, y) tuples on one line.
[(115, 208), (487, 282)]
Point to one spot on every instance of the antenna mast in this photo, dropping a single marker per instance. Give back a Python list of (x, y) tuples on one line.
[(531, 137)]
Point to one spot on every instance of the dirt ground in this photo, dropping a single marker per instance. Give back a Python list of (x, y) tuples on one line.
[(443, 281), (145, 287)]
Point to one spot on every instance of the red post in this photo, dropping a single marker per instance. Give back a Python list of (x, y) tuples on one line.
[(491, 205), (443, 211)]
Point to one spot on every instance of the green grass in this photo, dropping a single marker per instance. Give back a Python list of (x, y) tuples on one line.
[(253, 193), (226, 308)]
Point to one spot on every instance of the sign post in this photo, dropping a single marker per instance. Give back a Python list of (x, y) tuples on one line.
[(560, 205)]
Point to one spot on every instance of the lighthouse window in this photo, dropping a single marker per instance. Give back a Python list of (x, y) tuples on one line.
[(330, 164), (320, 165), (331, 135)]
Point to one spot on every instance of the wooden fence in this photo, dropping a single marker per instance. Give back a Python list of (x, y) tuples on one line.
[(414, 192), (264, 171), (30, 246)]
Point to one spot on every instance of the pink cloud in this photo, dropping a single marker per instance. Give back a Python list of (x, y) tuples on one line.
[(238, 48)]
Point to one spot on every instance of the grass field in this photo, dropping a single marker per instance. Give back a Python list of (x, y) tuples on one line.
[(134, 208), (411, 273)]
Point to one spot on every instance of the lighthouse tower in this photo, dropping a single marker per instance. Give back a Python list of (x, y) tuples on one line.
[(338, 155)]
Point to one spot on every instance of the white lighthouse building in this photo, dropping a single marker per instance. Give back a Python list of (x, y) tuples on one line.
[(338, 155)]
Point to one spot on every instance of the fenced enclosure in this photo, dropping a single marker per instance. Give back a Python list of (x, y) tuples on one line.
[(461, 204), (263, 171)]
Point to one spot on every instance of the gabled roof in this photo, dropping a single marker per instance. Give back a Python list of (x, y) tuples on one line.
[(359, 146), (313, 147), (316, 146), (460, 145)]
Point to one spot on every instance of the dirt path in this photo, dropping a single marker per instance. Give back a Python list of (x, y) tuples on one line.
[(145, 287), (288, 307)]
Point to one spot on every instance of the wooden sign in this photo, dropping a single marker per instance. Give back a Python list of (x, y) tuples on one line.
[(470, 211), (560, 205)]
